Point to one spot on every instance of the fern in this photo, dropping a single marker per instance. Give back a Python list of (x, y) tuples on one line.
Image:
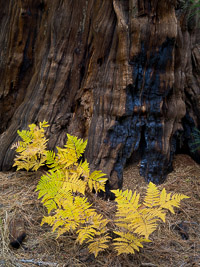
[(59, 188), (98, 244), (96, 181), (63, 190), (152, 198), (50, 187), (129, 216), (128, 242), (168, 202), (32, 150), (67, 156), (85, 233), (137, 221), (76, 146), (50, 158)]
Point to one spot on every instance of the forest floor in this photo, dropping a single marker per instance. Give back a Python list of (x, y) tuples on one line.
[(175, 243)]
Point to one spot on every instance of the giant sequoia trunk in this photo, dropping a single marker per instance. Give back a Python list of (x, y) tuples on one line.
[(124, 74)]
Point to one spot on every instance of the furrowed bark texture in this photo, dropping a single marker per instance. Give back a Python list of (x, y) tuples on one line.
[(124, 74)]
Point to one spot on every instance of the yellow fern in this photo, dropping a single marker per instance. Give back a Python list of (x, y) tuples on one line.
[(32, 150), (133, 219), (152, 197), (168, 202), (74, 183), (75, 145), (48, 219), (128, 242), (67, 156), (49, 186), (98, 244), (83, 170), (63, 188), (85, 233), (129, 216), (96, 181), (70, 214), (143, 223), (94, 225)]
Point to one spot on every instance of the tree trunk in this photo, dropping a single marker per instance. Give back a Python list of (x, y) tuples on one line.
[(124, 74)]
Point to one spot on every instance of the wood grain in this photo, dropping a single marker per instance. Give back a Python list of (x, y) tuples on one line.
[(124, 74)]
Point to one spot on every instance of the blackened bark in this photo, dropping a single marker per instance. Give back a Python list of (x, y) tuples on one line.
[(124, 74)]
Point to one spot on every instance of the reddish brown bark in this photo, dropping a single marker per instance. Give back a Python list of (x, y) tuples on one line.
[(124, 74)]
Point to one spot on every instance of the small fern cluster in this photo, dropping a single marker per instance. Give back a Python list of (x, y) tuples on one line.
[(137, 221), (63, 191), (32, 149)]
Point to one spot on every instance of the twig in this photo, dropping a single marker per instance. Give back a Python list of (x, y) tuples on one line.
[(39, 263), (148, 264)]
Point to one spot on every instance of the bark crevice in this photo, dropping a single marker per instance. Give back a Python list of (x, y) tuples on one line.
[(124, 74)]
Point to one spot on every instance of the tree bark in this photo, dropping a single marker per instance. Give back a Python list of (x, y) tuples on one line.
[(124, 74)]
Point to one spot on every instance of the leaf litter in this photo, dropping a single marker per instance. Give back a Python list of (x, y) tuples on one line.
[(175, 243)]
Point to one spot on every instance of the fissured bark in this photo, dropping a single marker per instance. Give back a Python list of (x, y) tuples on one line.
[(124, 74)]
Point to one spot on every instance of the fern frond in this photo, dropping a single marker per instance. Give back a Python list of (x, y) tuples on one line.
[(67, 226), (168, 202), (152, 197), (69, 155), (155, 212), (26, 136), (77, 208), (61, 231), (22, 164), (75, 144), (128, 243), (85, 233), (98, 244), (127, 202), (61, 196), (33, 127), (43, 124), (50, 204), (74, 183), (72, 212), (127, 197), (67, 217), (32, 150), (84, 205), (47, 181), (65, 158), (49, 187), (62, 225), (130, 215), (143, 225), (97, 181), (50, 157), (48, 219), (83, 170)]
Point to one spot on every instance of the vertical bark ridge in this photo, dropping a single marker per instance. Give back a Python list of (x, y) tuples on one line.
[(124, 74)]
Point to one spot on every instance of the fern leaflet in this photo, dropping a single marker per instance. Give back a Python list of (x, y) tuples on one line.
[(128, 243)]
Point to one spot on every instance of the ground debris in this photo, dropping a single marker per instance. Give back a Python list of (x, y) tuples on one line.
[(38, 263), (18, 196)]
